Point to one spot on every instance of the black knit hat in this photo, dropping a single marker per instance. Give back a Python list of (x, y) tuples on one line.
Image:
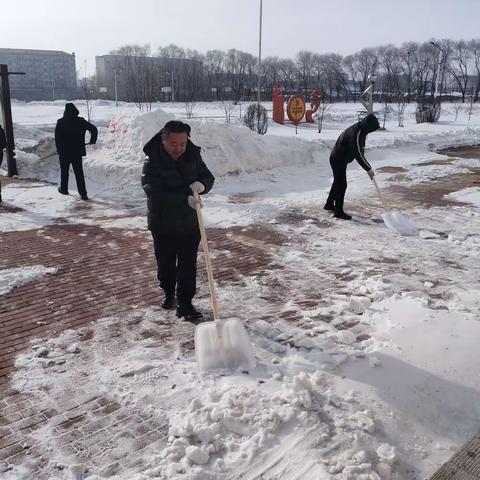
[(176, 126)]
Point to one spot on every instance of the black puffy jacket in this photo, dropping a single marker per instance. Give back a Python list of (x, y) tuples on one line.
[(70, 133), (166, 183), (351, 143)]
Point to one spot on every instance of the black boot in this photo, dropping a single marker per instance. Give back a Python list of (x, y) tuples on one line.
[(189, 312), (168, 302), (329, 206), (341, 214), (63, 192)]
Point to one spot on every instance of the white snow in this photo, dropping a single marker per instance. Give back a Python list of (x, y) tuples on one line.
[(14, 277), (321, 403)]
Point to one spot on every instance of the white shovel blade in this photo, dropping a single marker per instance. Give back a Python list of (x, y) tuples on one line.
[(223, 344), (399, 223)]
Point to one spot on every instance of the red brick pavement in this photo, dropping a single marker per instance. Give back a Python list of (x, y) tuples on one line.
[(100, 273)]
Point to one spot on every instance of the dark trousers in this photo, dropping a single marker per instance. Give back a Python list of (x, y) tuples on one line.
[(76, 163), (1, 160), (339, 185), (177, 264)]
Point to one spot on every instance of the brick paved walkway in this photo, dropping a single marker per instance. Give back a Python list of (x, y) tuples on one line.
[(110, 273), (100, 273)]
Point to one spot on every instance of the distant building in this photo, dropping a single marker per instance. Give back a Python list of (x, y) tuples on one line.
[(139, 79), (49, 74)]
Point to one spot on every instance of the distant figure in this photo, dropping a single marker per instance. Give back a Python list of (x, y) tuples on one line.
[(350, 145), (70, 141), (172, 172), (3, 144)]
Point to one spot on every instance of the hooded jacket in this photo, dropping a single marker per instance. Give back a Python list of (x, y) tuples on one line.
[(70, 133), (166, 183), (351, 143)]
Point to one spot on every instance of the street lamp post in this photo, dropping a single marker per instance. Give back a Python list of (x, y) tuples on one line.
[(259, 58), (115, 86), (171, 86)]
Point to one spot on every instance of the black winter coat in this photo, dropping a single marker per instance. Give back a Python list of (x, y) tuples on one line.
[(166, 183), (70, 133), (351, 143)]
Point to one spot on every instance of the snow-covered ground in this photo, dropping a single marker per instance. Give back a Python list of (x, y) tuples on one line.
[(392, 397)]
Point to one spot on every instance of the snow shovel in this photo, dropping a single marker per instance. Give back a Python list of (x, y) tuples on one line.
[(395, 220), (221, 343)]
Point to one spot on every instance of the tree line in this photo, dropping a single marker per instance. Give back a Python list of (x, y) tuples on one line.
[(411, 71)]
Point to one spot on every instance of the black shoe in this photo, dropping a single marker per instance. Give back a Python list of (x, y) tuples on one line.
[(168, 301), (84, 197), (341, 214), (63, 192), (329, 206), (189, 313)]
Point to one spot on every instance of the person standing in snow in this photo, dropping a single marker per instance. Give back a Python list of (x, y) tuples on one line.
[(172, 172), (350, 145), (3, 144), (70, 141)]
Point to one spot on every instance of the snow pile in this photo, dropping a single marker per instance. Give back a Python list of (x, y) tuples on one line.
[(14, 277), (281, 419), (467, 195)]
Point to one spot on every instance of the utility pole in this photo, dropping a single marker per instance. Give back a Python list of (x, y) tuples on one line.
[(115, 87), (259, 58), (7, 119)]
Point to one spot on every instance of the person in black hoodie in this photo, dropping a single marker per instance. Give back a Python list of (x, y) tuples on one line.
[(172, 171), (350, 145), (70, 141), (3, 144)]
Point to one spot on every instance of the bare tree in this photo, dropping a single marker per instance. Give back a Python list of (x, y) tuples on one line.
[(228, 109), (137, 68), (190, 107), (239, 67), (475, 49), (461, 56), (324, 107), (304, 64), (214, 65), (400, 108)]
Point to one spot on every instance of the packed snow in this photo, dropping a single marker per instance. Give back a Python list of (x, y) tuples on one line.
[(391, 397)]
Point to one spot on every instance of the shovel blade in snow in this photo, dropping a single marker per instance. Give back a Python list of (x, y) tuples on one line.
[(223, 344), (399, 223)]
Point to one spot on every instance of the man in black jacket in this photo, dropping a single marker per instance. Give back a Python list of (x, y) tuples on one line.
[(3, 144), (70, 141), (172, 171), (350, 145)]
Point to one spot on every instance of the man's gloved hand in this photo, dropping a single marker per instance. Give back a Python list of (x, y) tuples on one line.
[(191, 200), (198, 187), (371, 173)]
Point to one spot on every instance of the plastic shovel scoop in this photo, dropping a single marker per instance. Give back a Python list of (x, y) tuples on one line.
[(221, 343), (394, 220)]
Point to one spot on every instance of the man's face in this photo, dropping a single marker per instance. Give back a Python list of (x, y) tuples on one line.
[(175, 144)]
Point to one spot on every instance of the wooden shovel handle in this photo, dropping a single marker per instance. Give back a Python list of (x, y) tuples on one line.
[(380, 194), (203, 234)]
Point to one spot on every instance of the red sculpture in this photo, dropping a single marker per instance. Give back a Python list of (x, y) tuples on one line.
[(314, 106), (278, 113)]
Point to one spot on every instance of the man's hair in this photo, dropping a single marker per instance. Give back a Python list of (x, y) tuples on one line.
[(175, 126)]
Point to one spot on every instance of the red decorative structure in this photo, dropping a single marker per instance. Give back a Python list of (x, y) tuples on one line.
[(278, 113), (314, 106)]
